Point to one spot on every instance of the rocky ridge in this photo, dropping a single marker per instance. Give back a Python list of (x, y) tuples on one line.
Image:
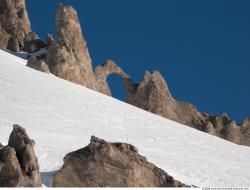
[(152, 94)]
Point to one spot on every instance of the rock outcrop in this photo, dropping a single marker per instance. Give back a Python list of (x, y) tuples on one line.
[(105, 164), (18, 163), (68, 55), (246, 123), (14, 21), (152, 94), (33, 43), (38, 64), (103, 71), (13, 44)]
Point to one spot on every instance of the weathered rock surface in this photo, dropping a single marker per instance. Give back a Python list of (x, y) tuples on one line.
[(33, 43), (246, 123), (105, 164), (18, 163), (103, 71), (4, 37), (152, 94), (68, 55), (14, 20), (38, 64), (13, 44)]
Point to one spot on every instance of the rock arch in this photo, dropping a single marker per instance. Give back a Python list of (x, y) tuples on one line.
[(103, 71)]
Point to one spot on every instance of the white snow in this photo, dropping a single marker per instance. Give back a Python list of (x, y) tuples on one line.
[(61, 116)]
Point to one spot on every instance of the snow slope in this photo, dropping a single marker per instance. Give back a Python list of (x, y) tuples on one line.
[(61, 116)]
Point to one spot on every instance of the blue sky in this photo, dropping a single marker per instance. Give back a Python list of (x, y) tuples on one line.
[(202, 47)]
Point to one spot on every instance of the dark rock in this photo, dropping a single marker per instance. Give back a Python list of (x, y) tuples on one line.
[(105, 164), (39, 65), (31, 36), (13, 45), (32, 43), (18, 163)]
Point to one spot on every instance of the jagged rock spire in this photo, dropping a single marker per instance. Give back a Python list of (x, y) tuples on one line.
[(68, 55), (14, 21), (18, 163)]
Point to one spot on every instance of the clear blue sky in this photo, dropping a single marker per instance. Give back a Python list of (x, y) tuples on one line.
[(202, 47)]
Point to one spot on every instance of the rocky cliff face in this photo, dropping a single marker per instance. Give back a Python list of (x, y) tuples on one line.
[(68, 55), (18, 163), (105, 164), (152, 94), (14, 21)]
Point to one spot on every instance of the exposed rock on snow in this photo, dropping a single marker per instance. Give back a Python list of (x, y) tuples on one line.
[(103, 71), (51, 108), (39, 65), (68, 55), (105, 164), (152, 94), (14, 20), (18, 163), (33, 43)]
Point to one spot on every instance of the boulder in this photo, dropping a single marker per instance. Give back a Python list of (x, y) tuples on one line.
[(106, 164), (68, 55), (18, 163), (33, 43), (38, 64)]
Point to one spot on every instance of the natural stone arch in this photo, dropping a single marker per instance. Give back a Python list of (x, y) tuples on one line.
[(103, 71)]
